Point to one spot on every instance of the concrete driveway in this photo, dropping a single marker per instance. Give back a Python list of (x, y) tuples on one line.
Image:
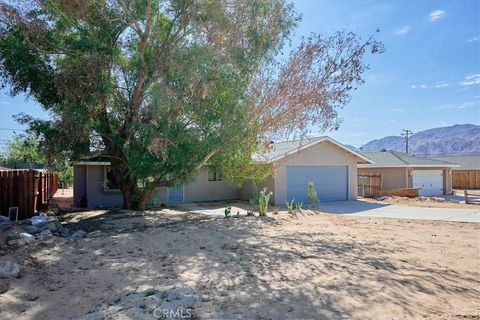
[(366, 209)]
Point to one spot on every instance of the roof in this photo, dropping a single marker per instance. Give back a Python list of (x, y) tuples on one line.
[(275, 151), (465, 162), (279, 150), (401, 159)]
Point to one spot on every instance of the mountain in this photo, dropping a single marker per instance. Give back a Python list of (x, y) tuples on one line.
[(460, 139)]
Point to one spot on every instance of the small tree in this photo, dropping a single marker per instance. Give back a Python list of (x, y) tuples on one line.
[(312, 194)]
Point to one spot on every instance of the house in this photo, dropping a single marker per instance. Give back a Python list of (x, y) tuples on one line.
[(467, 174), (329, 164), (401, 170)]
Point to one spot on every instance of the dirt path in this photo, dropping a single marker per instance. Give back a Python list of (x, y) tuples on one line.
[(315, 266)]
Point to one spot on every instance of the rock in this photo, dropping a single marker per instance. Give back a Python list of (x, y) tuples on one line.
[(44, 234), (3, 218), (27, 237), (9, 269), (78, 234), (95, 233), (4, 286), (52, 226), (33, 229)]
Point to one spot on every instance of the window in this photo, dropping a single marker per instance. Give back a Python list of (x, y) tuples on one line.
[(214, 176), (110, 183)]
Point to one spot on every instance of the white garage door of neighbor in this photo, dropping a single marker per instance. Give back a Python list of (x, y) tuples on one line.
[(430, 182), (331, 182)]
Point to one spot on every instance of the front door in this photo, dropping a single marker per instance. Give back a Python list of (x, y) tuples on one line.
[(175, 194)]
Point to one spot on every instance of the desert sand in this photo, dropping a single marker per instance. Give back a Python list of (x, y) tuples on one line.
[(312, 266)]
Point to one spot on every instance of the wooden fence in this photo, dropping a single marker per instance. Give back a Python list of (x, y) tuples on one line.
[(466, 179), (370, 185), (29, 190)]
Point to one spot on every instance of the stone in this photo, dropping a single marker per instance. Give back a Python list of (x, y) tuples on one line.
[(44, 234), (9, 269), (78, 234), (33, 229), (52, 226), (3, 218), (27, 237)]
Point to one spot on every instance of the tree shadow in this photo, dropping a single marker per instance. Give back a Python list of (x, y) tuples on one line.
[(246, 268)]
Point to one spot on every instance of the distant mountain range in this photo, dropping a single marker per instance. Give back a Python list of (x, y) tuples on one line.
[(461, 139)]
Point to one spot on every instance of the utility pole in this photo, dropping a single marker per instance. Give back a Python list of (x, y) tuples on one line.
[(406, 133)]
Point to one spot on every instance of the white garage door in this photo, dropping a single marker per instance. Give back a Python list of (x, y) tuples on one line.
[(430, 182), (331, 182)]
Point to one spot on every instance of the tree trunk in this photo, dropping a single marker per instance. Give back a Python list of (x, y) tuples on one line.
[(142, 201), (129, 190)]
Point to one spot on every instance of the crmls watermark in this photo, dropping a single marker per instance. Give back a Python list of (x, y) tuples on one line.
[(179, 313)]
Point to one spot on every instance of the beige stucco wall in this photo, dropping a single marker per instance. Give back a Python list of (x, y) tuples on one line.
[(200, 189), (393, 178), (324, 153), (247, 190)]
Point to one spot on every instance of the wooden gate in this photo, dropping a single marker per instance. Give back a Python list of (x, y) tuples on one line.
[(369, 185)]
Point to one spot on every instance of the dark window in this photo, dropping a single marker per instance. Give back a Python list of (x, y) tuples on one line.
[(110, 181), (214, 176)]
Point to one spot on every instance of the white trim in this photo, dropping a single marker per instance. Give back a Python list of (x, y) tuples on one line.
[(308, 145)]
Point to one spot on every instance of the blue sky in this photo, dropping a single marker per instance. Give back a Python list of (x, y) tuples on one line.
[(429, 75)]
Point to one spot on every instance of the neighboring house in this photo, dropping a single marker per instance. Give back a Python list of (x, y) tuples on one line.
[(401, 170), (329, 164), (467, 175)]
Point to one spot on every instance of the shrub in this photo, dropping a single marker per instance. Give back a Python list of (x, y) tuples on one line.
[(263, 199), (294, 206), (228, 211), (312, 194)]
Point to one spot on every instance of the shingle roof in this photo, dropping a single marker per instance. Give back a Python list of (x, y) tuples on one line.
[(400, 159), (465, 162), (279, 149)]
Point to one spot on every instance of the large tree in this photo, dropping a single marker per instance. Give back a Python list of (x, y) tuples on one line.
[(164, 88)]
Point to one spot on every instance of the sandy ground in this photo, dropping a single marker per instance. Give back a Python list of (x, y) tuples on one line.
[(313, 266), (425, 202)]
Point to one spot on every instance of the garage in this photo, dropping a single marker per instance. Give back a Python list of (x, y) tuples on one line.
[(430, 182), (331, 182)]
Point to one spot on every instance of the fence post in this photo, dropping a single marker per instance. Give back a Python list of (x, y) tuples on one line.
[(466, 196)]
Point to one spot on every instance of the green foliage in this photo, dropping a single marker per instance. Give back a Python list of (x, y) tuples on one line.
[(294, 206), (23, 149), (228, 211), (150, 292), (263, 201), (28, 148), (312, 194), (290, 206), (164, 88)]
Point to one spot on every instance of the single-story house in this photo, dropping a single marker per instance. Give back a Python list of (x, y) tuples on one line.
[(467, 174), (329, 164), (400, 170)]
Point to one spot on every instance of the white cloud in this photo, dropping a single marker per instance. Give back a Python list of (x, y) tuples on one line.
[(397, 109), (437, 14), (403, 30), (466, 104), (471, 80), (436, 86), (4, 103), (473, 39)]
